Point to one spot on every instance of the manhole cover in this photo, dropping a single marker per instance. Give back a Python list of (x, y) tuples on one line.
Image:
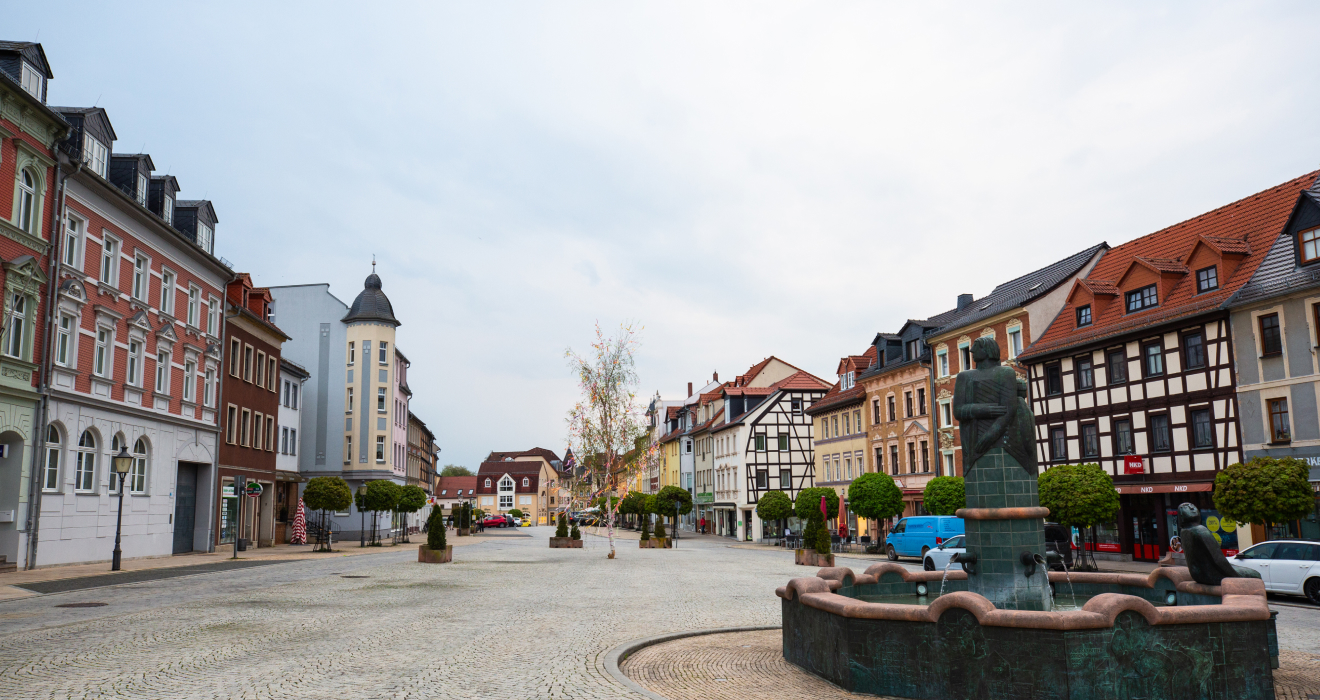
[(81, 605), (354, 577)]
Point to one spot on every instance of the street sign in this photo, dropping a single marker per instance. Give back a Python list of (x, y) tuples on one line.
[(253, 489)]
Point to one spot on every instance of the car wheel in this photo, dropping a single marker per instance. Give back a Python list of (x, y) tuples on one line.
[(891, 553), (928, 564), (1312, 590)]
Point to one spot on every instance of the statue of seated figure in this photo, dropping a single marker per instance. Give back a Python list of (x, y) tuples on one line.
[(1205, 559)]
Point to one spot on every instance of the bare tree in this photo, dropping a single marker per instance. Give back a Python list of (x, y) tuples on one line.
[(605, 423)]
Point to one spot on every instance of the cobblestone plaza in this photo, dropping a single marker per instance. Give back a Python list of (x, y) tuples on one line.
[(510, 618)]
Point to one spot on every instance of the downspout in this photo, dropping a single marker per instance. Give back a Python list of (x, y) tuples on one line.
[(39, 439), (220, 432)]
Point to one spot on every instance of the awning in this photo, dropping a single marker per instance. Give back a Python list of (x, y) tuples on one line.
[(1166, 488)]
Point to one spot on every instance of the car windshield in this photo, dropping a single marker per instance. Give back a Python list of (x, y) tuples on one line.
[(1260, 551)]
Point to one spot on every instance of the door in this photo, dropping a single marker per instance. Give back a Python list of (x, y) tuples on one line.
[(1146, 537), (897, 534), (185, 508), (1259, 558), (1290, 565)]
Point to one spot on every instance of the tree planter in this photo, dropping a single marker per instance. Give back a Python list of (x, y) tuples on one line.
[(655, 543), (426, 555), (565, 543), (810, 557)]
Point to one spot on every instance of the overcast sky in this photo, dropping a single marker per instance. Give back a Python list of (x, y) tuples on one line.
[(741, 179)]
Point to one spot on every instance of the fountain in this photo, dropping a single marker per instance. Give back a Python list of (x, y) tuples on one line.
[(996, 633)]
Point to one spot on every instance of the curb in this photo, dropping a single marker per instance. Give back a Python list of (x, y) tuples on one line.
[(620, 653)]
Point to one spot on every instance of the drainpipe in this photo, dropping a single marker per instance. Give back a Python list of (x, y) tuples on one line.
[(52, 286), (220, 432)]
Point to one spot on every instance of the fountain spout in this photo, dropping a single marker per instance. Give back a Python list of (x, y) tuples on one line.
[(967, 560), (1030, 561)]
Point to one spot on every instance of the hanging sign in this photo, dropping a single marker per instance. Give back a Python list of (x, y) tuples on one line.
[(1133, 464), (253, 489)]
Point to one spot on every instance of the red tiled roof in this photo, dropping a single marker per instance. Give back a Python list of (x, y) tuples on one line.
[(801, 381), (512, 467), (836, 398), (749, 391), (1099, 286), (672, 412), (1255, 222), (452, 483), (1164, 265)]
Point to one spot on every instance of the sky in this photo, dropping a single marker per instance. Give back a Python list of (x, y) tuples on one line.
[(738, 179)]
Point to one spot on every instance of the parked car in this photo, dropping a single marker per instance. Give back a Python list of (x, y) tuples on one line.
[(1058, 538), (914, 536), (526, 521), (494, 521), (937, 559), (1286, 566), (509, 521)]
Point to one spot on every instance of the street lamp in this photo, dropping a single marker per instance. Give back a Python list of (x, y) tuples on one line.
[(120, 463)]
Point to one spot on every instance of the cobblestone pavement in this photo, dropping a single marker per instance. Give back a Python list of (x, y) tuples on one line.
[(751, 666), (510, 618)]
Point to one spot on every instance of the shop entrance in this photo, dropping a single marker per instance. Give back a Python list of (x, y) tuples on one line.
[(185, 508)]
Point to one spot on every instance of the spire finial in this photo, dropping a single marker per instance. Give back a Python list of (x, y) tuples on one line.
[(373, 263)]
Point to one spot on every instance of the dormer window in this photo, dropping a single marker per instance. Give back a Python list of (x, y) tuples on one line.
[(1310, 245), (95, 154), (167, 210), (1144, 298), (142, 189), (1207, 279), (204, 236), (1083, 315), (34, 82)]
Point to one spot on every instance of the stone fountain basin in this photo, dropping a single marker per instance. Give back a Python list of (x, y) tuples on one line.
[(1216, 642)]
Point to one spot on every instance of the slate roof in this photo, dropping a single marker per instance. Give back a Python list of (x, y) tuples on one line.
[(836, 398), (198, 204), (32, 51), (371, 304), (1023, 290), (1279, 273), (1256, 221)]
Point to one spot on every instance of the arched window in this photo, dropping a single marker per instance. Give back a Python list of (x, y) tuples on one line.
[(27, 201), (116, 444), (51, 480), (526, 482), (137, 477), (85, 469), (17, 326), (487, 483)]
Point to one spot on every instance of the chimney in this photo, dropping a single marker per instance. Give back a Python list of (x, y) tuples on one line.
[(964, 300), (689, 389), (715, 377)]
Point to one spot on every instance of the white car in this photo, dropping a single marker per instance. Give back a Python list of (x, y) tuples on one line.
[(938, 558), (1286, 566)]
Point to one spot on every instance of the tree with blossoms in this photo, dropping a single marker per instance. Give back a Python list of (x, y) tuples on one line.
[(605, 423)]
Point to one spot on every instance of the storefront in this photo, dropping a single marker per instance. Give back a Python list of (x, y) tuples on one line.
[(1147, 520), (248, 510)]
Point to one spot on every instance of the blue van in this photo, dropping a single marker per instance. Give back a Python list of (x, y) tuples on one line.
[(911, 537)]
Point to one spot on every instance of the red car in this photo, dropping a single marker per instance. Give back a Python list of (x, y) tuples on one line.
[(495, 521)]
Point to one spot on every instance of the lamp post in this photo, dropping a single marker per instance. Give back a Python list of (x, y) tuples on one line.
[(120, 463), (362, 528)]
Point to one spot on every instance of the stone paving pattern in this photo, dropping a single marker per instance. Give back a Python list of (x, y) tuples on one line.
[(510, 618)]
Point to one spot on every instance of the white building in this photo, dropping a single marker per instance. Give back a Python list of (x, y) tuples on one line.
[(287, 476)]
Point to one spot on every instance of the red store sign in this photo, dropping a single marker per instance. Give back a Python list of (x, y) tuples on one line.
[(1133, 464), (1165, 488)]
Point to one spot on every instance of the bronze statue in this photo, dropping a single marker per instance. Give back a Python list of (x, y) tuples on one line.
[(990, 403), (1205, 560)]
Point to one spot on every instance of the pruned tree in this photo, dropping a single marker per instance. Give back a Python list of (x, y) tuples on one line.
[(774, 505), (412, 498), (381, 495), (1078, 495), (876, 497), (808, 508), (605, 422), (944, 495), (326, 494), (673, 501), (1264, 491)]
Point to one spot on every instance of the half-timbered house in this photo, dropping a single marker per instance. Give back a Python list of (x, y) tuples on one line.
[(1137, 371)]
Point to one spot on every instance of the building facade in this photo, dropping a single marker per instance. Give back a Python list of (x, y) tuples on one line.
[(287, 476), (1137, 372), (839, 439)]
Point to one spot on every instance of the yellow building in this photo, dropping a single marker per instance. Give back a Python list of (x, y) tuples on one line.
[(368, 442), (528, 481), (839, 439)]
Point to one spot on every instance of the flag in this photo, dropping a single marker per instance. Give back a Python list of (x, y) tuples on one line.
[(299, 526), (823, 510)]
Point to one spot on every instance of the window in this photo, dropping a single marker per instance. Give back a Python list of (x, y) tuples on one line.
[(213, 317), (51, 479), (142, 189), (1058, 444), (293, 441), (64, 340), (1014, 342), (109, 259), (137, 475), (380, 448), (383, 359), (349, 403), (1207, 279), (912, 349), (293, 403), (100, 364), (84, 478), (272, 374), (946, 414), (1084, 315), (261, 368), (948, 464), (72, 239), (921, 401), (880, 460), (942, 360), (1203, 434), (162, 372), (94, 154), (380, 400), (208, 388), (116, 444), (526, 482), (1271, 343), (189, 379), (907, 404), (893, 460), (857, 421), (1085, 378), (352, 353), (140, 278), (1279, 428), (912, 457), (783, 443), (893, 415), (235, 356), (964, 357), (269, 441), (14, 335), (204, 236), (1123, 437), (1159, 432), (847, 424), (194, 300), (785, 479), (1117, 366), (134, 362), (1144, 298), (1090, 440), (27, 202), (167, 210), (1154, 355), (834, 421), (284, 441), (34, 82), (1053, 380), (925, 456), (759, 441), (247, 363), (1193, 351), (348, 451), (245, 428), (1310, 245), (167, 292), (875, 403), (231, 424), (796, 405)]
